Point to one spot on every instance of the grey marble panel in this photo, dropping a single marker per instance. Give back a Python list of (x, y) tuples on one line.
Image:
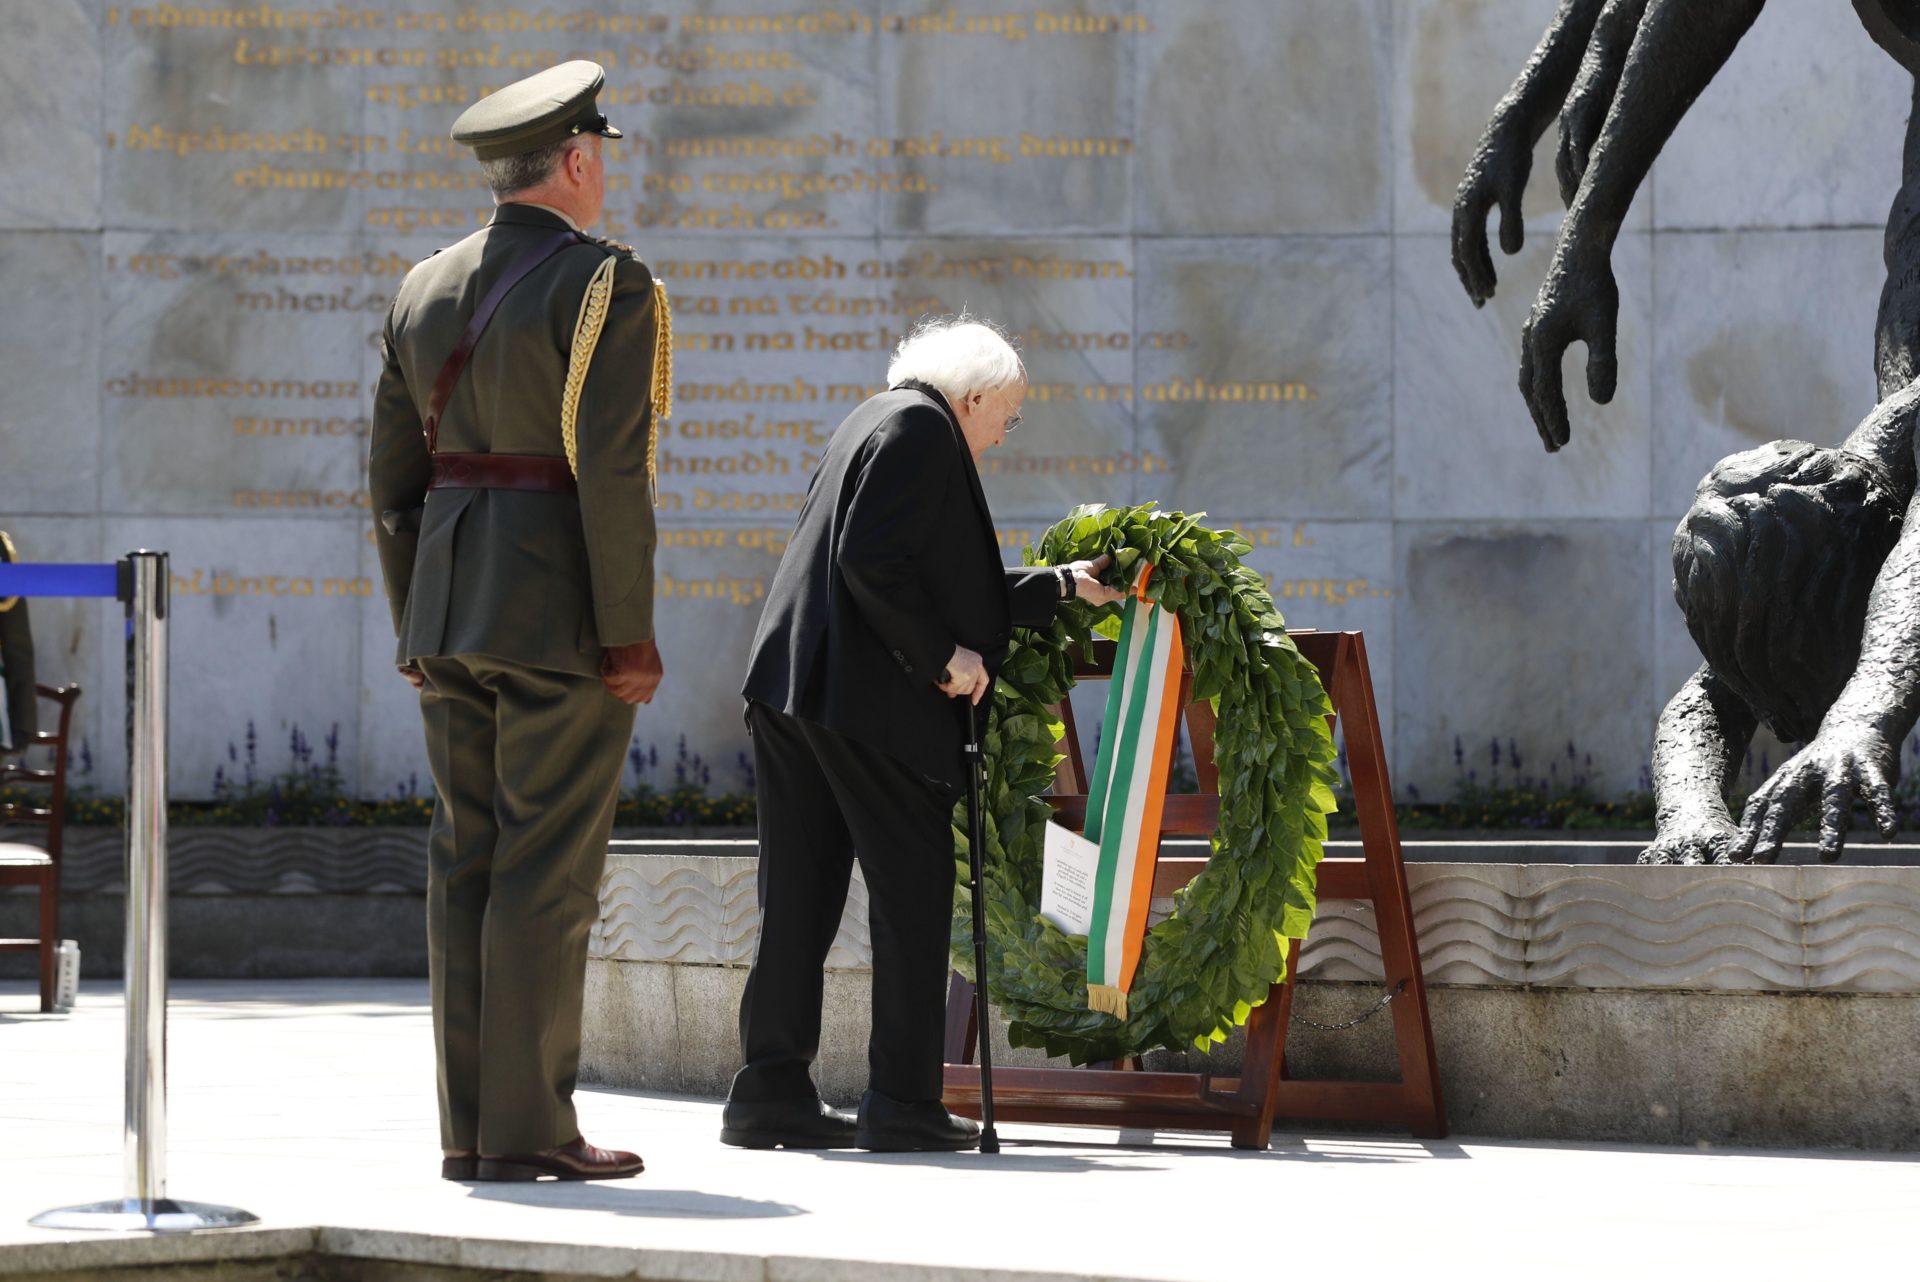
[(631, 1036), (1454, 60), (1794, 1046), (726, 133), (1334, 576), (264, 630), (1464, 445), (1763, 336), (234, 375), (1538, 635), (1068, 306), (710, 584), (1598, 1061), (706, 1004), (775, 342), (1801, 128), (393, 752), (255, 129), (50, 391), (1266, 375), (50, 114), (1005, 121), (69, 638), (1264, 119)]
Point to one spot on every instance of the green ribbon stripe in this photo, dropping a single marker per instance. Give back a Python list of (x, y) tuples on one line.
[(1113, 829)]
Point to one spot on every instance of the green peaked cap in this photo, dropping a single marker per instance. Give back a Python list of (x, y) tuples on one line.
[(548, 107)]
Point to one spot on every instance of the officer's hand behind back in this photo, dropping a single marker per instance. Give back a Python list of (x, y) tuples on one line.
[(632, 673)]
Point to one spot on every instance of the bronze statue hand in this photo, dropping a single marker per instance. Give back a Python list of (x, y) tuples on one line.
[(1592, 95), (1497, 175), (1578, 302), (1503, 162), (1844, 762), (1704, 839)]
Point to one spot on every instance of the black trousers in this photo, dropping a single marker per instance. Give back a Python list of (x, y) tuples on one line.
[(826, 800)]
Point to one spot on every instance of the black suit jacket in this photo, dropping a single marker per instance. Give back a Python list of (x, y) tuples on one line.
[(892, 563)]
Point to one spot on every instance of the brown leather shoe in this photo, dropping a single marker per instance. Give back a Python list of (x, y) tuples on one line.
[(459, 1164), (576, 1160)]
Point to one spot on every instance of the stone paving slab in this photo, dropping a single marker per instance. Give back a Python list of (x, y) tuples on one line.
[(310, 1104)]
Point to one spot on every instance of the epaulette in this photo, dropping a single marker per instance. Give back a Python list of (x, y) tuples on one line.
[(586, 337)]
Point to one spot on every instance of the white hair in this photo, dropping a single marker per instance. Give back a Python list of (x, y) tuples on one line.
[(957, 355)]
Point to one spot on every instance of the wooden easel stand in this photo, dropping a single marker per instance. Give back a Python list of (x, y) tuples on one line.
[(1247, 1105)]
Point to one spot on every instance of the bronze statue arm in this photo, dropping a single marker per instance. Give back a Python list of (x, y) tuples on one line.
[(1593, 89), (1855, 754), (1697, 751), (1680, 46), (1501, 165)]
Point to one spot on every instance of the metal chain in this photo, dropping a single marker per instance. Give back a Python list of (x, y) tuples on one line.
[(1357, 1020)]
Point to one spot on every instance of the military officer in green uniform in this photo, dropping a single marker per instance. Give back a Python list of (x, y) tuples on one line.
[(511, 464)]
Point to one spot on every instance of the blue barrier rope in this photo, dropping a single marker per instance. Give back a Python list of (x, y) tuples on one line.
[(57, 580)]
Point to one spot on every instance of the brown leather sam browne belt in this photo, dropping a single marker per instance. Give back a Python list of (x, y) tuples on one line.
[(538, 472)]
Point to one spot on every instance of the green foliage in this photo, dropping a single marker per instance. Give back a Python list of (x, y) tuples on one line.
[(311, 792), (686, 804), (1530, 808), (1204, 968)]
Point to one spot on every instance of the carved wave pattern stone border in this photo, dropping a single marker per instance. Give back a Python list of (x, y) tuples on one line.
[(1801, 929), (248, 861), (702, 910)]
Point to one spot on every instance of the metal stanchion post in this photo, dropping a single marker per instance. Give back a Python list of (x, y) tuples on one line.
[(145, 1205)]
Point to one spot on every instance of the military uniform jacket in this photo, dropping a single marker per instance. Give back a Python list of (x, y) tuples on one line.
[(17, 688), (544, 579), (892, 563)]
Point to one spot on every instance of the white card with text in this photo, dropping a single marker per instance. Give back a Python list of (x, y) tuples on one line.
[(1066, 882)]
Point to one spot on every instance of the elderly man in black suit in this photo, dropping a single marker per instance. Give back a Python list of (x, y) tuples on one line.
[(890, 604)]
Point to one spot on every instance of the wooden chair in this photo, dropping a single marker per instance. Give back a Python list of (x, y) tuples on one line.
[(25, 864)]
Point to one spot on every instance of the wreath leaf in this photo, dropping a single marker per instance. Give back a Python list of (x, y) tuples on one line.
[(1205, 968)]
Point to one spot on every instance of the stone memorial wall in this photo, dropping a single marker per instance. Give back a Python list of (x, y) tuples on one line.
[(1218, 229)]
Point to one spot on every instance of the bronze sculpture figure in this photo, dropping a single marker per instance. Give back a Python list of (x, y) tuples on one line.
[(1796, 568)]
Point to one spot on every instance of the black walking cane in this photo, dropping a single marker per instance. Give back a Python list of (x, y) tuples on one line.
[(976, 859)]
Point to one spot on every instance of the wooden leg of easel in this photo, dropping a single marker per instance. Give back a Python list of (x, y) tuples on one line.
[(1392, 904), (1261, 1070), (960, 1022)]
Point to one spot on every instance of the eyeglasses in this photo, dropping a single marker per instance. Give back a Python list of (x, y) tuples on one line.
[(1012, 425)]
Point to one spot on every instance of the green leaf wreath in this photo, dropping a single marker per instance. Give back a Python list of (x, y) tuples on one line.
[(1205, 968)]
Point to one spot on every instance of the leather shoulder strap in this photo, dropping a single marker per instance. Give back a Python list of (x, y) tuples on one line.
[(450, 373)]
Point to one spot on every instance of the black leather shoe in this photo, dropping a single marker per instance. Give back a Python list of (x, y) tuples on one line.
[(803, 1123), (459, 1165), (888, 1125)]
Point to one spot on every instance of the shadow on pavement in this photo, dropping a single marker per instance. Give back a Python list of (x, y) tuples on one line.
[(1356, 1150), (1009, 1159), (636, 1200)]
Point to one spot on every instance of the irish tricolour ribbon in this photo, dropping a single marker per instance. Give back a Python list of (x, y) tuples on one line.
[(1127, 792)]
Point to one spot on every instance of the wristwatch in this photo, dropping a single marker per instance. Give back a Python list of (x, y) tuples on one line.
[(1066, 582)]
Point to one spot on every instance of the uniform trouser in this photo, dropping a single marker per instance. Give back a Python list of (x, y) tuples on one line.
[(825, 800), (526, 769)]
